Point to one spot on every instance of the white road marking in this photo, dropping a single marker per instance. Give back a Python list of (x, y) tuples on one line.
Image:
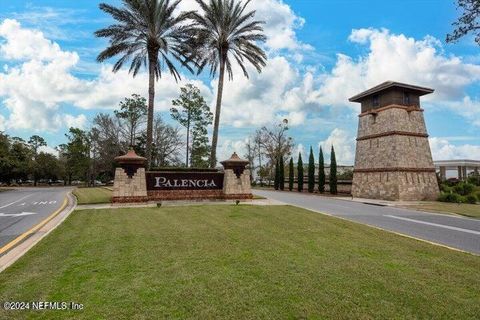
[(39, 203), (435, 225), (15, 201), (17, 214)]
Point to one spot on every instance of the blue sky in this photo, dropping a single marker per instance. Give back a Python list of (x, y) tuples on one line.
[(320, 53)]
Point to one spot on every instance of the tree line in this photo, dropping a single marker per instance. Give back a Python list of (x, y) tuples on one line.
[(89, 155)]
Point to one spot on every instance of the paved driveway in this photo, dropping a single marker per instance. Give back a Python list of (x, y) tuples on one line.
[(453, 231), (21, 209)]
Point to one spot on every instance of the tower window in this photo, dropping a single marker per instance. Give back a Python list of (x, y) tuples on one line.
[(406, 98), (375, 101)]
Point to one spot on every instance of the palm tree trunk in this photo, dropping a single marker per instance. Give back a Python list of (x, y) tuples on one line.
[(213, 155), (151, 98), (188, 138)]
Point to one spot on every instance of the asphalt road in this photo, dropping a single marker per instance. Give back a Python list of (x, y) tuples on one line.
[(453, 231), (21, 209)]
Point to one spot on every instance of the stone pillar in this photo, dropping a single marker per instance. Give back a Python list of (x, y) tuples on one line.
[(476, 171), (460, 173), (236, 181), (464, 173), (443, 173), (130, 183)]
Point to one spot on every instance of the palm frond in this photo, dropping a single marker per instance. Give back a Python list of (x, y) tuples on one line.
[(147, 30), (226, 32)]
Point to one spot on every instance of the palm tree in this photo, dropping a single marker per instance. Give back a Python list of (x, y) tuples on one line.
[(148, 34), (225, 33)]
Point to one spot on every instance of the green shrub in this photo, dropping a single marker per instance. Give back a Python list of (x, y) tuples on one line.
[(464, 188), (475, 179), (472, 199), (451, 197), (452, 182), (446, 188)]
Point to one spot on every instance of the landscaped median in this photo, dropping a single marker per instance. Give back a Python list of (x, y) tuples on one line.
[(93, 195), (229, 261)]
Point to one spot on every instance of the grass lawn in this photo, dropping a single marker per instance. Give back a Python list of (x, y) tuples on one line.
[(92, 195), (464, 209), (243, 262)]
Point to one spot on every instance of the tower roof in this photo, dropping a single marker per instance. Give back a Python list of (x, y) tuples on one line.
[(388, 85)]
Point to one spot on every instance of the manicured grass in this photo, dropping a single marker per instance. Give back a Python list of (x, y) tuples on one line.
[(93, 195), (243, 262), (464, 209)]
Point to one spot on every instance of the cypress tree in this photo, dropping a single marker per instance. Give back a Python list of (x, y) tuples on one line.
[(333, 172), (300, 173), (321, 172), (311, 172), (282, 174), (277, 176), (291, 175)]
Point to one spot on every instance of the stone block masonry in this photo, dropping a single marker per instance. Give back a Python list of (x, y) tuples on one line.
[(129, 189), (393, 159)]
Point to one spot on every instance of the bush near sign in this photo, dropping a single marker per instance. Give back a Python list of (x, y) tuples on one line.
[(184, 181)]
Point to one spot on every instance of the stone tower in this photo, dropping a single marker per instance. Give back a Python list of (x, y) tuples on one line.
[(393, 159)]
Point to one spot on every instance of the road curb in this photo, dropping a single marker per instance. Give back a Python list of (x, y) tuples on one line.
[(40, 231)]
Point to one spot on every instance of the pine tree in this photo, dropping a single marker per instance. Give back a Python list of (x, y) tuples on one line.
[(300, 173), (311, 172), (282, 174), (291, 175), (275, 180), (333, 172), (321, 172)]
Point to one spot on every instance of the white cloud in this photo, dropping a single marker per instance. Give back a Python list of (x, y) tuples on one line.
[(48, 149), (280, 26), (34, 90), (2, 123), (72, 121), (400, 58), (442, 149), (26, 44), (300, 149), (280, 91), (281, 23), (343, 144), (227, 147)]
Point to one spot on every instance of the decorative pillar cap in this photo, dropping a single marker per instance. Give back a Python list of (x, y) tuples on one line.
[(235, 161), (131, 158)]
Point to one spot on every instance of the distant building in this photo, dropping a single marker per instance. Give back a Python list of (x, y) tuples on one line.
[(459, 169)]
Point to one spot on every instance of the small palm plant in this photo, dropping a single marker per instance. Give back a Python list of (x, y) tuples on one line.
[(147, 33), (225, 32)]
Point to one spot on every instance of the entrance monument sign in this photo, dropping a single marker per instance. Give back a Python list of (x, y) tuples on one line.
[(133, 184)]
